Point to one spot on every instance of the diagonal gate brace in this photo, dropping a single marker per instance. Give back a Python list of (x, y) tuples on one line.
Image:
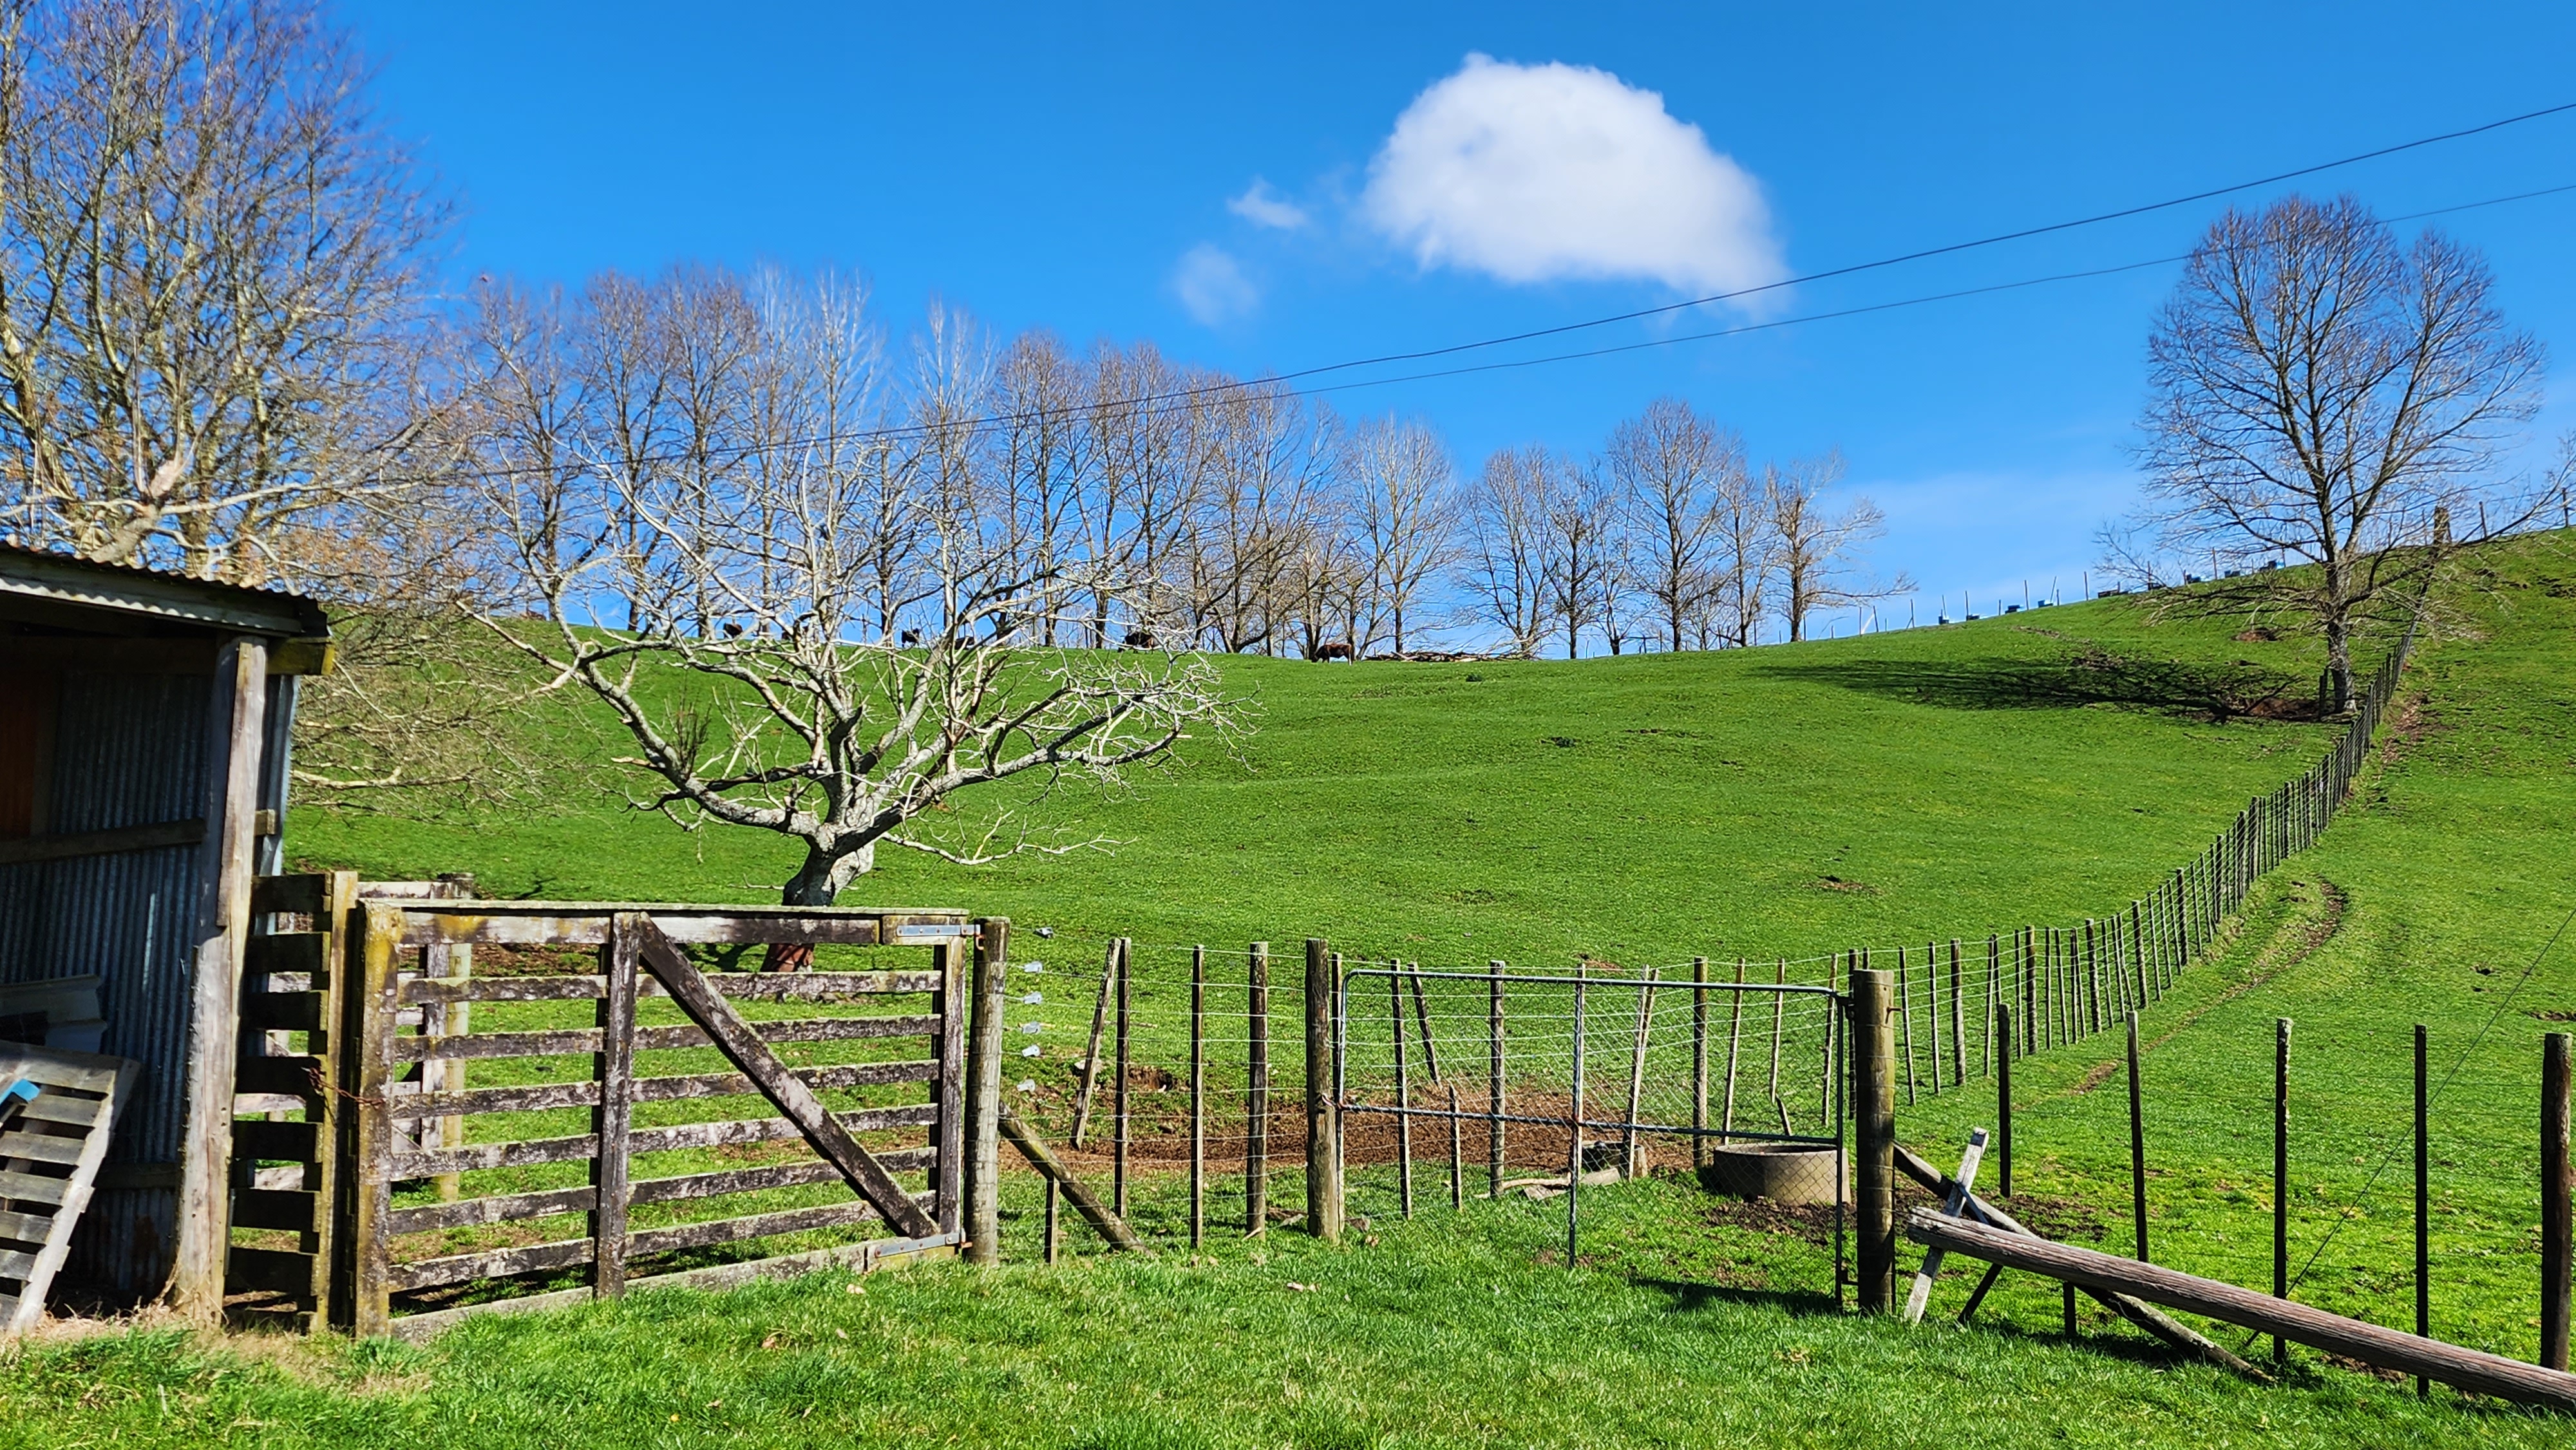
[(787, 1092)]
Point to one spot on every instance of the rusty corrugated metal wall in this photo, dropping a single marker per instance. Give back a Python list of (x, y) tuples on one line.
[(129, 750)]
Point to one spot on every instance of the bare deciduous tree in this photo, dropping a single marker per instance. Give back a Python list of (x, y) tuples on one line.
[(753, 672), (1746, 547), (1673, 468), (1400, 479), (1583, 554), (1813, 544), (209, 282), (2323, 394), (1504, 570)]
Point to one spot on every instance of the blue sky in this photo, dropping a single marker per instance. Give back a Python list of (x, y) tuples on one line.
[(1094, 173)]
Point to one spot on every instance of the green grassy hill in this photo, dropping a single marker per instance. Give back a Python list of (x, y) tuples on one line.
[(1781, 801)]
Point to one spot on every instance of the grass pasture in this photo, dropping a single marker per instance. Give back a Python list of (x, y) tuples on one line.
[(1787, 801)]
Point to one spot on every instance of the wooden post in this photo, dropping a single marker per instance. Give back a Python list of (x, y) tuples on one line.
[(1958, 1020), (1779, 1007), (2280, 1171), (1630, 1142), (1323, 1111), (2138, 948), (610, 1122), (1403, 1095), (1574, 1127), (1457, 1153), (221, 931), (1494, 1081), (1198, 1097), (2092, 977), (1118, 1099), (1994, 995), (1699, 1061), (984, 1051), (1905, 1006), (2554, 1206), (1422, 1019), (1089, 1083), (2423, 1209), (1256, 1128), (1874, 1132), (2003, 1098), (370, 1173), (2137, 1142), (1734, 1043)]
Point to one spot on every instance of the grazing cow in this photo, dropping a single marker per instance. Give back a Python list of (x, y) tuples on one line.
[(1140, 639), (911, 638), (1336, 649)]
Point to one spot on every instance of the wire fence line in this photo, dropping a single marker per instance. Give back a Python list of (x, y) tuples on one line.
[(1164, 1059)]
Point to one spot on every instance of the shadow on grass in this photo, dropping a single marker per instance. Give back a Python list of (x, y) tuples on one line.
[(1687, 1294), (2096, 676)]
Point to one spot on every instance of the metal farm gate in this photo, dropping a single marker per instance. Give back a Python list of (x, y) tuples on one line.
[(521, 1094), (1576, 1078)]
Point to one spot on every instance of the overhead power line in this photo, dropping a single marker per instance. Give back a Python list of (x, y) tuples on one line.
[(1183, 396)]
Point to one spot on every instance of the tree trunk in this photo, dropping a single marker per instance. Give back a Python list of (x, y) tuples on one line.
[(817, 883), (2339, 664)]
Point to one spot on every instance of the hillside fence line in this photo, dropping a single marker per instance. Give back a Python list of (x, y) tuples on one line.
[(1177, 1073)]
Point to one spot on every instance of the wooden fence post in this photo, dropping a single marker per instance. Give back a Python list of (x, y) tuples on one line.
[(2423, 1209), (1874, 1134), (2137, 1142), (2554, 1205), (1120, 1139), (1403, 1095), (613, 1068), (1323, 1111), (1905, 1006), (1422, 1020), (369, 1169), (2280, 1171), (983, 1156), (1198, 1096), (1958, 1020), (1994, 994), (1089, 1083), (1734, 1043), (1631, 1142), (1699, 1061), (2003, 1097), (1256, 1127)]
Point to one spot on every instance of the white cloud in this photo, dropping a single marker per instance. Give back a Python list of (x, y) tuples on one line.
[(1212, 286), (1534, 173), (1264, 207)]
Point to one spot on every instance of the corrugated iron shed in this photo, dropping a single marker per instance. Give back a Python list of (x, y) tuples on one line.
[(144, 721)]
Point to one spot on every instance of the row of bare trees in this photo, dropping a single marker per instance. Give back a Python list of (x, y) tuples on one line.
[(1667, 539)]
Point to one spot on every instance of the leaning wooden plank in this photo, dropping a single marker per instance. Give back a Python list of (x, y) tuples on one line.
[(744, 1049), (1111, 1227), (2469, 1369), (1952, 1203), (66, 1074), (2146, 1316)]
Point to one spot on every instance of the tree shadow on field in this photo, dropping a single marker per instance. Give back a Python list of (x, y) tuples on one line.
[(2095, 676)]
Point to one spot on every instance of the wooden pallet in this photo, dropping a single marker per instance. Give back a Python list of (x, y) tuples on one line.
[(49, 1158)]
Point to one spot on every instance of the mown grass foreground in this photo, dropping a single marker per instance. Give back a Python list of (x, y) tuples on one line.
[(1993, 774), (1438, 1332)]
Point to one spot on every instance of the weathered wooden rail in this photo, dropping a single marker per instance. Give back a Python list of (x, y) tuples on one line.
[(633, 1110)]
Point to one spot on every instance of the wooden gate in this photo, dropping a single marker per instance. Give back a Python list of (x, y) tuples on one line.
[(621, 1108)]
